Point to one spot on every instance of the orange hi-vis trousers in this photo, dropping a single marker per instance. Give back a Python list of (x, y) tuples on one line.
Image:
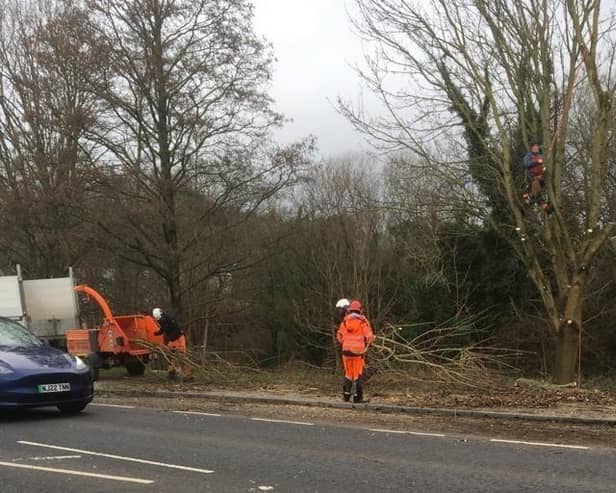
[(353, 366), (179, 345)]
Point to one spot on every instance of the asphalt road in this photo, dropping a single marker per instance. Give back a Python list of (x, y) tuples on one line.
[(110, 449)]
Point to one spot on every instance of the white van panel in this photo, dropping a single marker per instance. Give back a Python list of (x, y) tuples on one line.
[(10, 298)]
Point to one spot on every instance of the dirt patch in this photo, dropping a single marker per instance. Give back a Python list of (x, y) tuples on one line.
[(389, 389)]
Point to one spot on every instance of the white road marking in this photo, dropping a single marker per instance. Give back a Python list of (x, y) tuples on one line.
[(283, 421), (197, 413), (77, 473), (51, 457), (112, 405), (401, 432), (118, 457), (540, 444)]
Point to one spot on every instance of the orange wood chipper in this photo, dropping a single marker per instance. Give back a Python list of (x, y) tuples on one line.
[(117, 342)]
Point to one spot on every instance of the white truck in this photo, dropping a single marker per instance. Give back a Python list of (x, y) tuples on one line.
[(48, 307)]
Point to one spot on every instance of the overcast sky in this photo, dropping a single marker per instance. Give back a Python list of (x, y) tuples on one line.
[(315, 46)]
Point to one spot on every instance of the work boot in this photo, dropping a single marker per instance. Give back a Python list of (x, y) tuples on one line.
[(359, 391), (346, 389)]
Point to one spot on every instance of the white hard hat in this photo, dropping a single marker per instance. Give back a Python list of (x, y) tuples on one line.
[(342, 303), (157, 313)]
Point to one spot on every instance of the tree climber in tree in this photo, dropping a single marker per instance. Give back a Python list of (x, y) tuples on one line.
[(533, 162)]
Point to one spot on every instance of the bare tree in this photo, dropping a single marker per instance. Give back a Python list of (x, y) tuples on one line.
[(187, 119), (46, 62), (343, 249), (492, 74)]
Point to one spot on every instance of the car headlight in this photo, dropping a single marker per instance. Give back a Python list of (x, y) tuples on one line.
[(5, 369), (80, 364)]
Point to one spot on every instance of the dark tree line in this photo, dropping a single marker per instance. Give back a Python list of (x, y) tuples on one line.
[(136, 146)]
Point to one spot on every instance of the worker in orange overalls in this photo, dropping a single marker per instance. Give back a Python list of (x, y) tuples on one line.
[(355, 335), (175, 340)]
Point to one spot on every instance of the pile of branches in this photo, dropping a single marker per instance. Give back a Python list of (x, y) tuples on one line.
[(456, 351), (203, 362)]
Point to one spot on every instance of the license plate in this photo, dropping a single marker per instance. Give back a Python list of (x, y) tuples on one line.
[(54, 387)]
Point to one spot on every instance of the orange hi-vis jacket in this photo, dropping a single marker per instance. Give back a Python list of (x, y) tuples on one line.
[(354, 333)]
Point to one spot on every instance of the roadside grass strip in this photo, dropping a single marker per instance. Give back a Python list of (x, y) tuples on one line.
[(402, 432), (284, 421), (117, 457), (540, 444), (76, 473)]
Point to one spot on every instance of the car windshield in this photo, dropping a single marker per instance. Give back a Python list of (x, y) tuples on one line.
[(13, 334)]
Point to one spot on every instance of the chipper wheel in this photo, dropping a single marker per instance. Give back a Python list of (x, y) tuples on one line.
[(135, 367)]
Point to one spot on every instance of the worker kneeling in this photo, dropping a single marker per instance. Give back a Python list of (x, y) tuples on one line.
[(355, 335), (175, 340)]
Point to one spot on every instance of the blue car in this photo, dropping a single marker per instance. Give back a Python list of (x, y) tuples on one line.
[(34, 374)]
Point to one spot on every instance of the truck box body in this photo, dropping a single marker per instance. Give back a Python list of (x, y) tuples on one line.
[(51, 306), (11, 303), (48, 307)]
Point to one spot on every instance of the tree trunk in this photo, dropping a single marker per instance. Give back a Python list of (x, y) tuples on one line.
[(175, 295), (564, 371), (567, 335), (206, 330)]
